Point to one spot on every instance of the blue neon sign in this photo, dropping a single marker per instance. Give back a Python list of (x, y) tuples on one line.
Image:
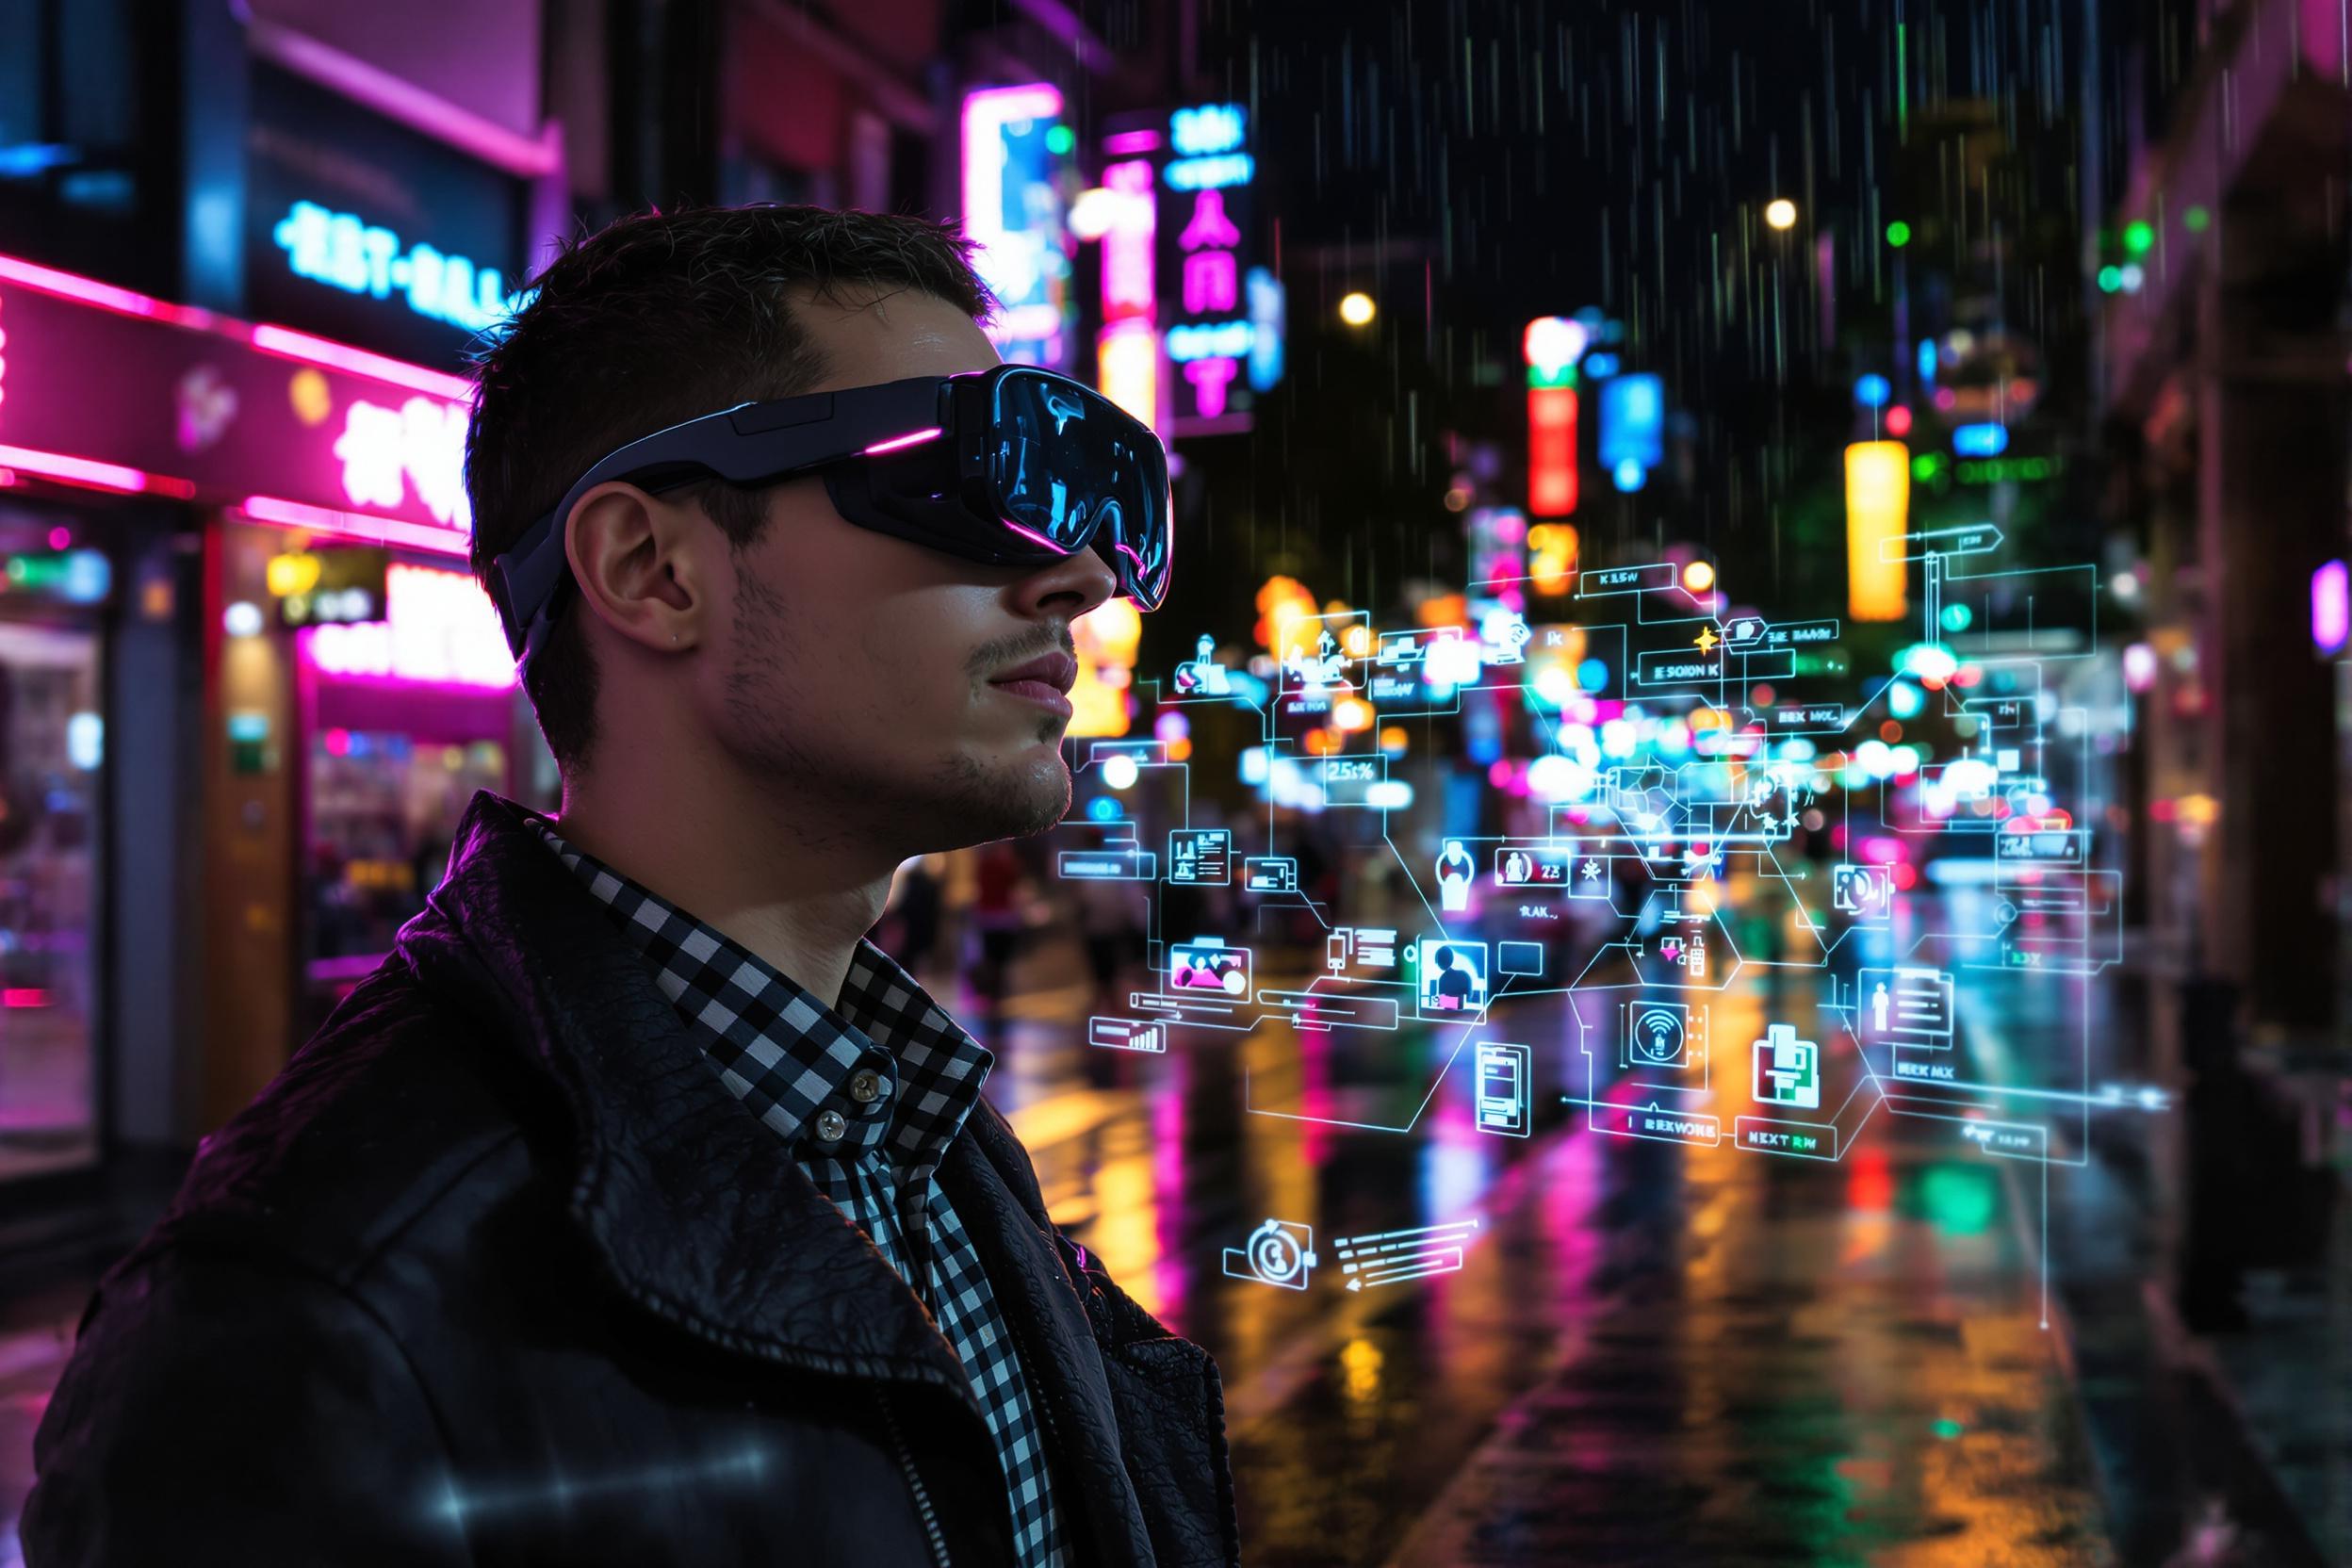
[(1193, 340), (1214, 173), (1206, 128), (1633, 422), (1985, 440), (345, 251)]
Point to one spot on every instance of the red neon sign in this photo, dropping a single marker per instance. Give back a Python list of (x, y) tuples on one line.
[(1551, 450)]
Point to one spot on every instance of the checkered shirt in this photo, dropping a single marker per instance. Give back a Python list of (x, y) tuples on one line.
[(791, 1060)]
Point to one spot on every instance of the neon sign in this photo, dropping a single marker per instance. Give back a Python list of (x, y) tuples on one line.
[(422, 443), (1127, 353), (345, 251), (1015, 210), (120, 391), (1552, 345), (1878, 503), (438, 628), (2331, 609), (1225, 309), (1206, 128), (1633, 422)]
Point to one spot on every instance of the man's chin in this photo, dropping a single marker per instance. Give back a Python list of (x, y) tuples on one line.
[(982, 799)]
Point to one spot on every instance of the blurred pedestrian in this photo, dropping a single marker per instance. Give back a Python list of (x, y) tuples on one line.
[(997, 919)]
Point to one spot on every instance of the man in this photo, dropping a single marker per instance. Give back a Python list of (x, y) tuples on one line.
[(635, 1211)]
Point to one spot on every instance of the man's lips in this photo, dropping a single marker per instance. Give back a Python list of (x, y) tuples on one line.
[(1045, 680)]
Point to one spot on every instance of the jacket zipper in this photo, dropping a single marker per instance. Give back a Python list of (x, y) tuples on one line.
[(914, 1480)]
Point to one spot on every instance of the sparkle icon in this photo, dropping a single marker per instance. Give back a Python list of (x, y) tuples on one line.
[(1590, 871), (1705, 640)]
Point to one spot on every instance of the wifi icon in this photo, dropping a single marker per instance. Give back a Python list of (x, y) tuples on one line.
[(1657, 1034)]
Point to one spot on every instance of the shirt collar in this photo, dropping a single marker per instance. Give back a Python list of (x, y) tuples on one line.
[(786, 1054)]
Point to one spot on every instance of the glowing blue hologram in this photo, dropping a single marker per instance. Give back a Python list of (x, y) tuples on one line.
[(1534, 865), (1506, 1099), (1662, 1035), (1277, 1253), (1405, 649), (1129, 1033), (1454, 873), (1373, 946), (1864, 891), (1315, 658), (1520, 958), (1686, 952), (1907, 1006), (1111, 863), (1592, 879), (1388, 1257), (1976, 539), (1206, 964), (1450, 979), (1201, 856), (1788, 1069), (1201, 675), (1351, 780), (1503, 637), (1269, 874)]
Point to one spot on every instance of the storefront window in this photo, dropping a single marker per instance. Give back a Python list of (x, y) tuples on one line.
[(384, 808), (51, 742)]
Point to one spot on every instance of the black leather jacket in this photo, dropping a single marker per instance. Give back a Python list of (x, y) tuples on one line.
[(496, 1271)]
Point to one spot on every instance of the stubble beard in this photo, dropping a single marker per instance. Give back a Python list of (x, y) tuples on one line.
[(958, 802)]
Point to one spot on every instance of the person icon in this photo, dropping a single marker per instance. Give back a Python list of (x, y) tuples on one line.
[(1878, 1007), (1455, 982), (1455, 869), (1516, 868), (1205, 651)]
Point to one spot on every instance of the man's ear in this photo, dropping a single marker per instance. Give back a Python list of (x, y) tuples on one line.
[(643, 564)]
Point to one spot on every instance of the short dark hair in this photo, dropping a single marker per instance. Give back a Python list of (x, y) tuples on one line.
[(653, 319)]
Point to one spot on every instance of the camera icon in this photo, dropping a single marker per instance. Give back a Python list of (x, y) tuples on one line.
[(1277, 1253)]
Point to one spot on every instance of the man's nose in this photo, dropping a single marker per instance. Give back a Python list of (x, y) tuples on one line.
[(1069, 587)]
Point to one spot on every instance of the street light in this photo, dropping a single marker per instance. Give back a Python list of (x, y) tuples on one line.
[(1781, 213), (1356, 309)]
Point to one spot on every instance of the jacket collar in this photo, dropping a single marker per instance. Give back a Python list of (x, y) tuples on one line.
[(692, 1207)]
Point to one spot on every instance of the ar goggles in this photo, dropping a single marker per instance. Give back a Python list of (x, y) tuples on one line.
[(1011, 466)]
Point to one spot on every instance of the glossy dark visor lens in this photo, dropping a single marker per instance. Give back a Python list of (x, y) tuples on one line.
[(1070, 467)]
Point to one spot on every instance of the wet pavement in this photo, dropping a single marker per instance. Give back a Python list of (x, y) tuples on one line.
[(1650, 1353)]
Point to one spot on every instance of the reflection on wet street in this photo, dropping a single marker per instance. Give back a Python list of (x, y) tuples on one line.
[(1649, 1353)]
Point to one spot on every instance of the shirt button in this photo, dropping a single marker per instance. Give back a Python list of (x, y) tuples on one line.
[(831, 1127), (866, 1085)]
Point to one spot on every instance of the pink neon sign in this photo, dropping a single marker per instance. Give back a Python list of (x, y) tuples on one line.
[(439, 628), (1127, 284), (114, 390), (1213, 329)]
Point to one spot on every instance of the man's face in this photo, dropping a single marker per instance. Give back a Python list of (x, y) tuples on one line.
[(876, 680)]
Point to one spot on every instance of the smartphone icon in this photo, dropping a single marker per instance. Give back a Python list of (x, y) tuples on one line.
[(1505, 1100)]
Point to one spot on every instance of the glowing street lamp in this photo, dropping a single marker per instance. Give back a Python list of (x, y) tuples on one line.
[(1356, 309), (1781, 213)]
